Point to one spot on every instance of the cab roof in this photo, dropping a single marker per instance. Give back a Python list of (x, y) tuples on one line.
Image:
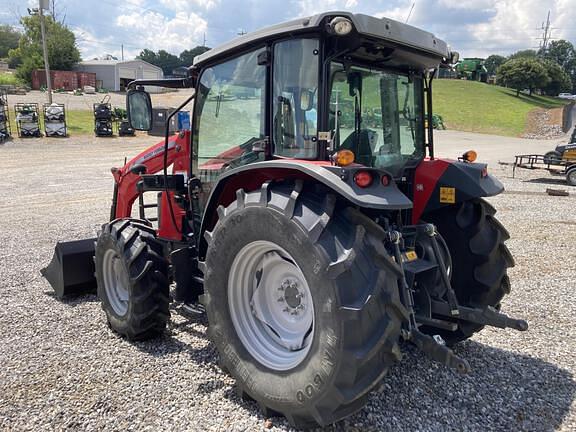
[(385, 29)]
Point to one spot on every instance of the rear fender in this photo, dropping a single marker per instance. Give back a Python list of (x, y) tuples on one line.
[(443, 182), (340, 180)]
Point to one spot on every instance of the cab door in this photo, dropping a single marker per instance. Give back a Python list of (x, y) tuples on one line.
[(230, 118)]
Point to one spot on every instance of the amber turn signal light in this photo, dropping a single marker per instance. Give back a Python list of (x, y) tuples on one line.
[(470, 156), (344, 158)]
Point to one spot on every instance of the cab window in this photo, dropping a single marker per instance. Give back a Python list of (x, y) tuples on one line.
[(295, 98), (231, 109)]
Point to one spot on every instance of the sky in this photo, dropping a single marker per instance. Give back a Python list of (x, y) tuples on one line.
[(475, 28)]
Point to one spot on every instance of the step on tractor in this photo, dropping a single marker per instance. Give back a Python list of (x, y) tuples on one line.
[(306, 214)]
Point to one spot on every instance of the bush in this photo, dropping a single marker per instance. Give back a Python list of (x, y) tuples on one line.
[(438, 122), (9, 79)]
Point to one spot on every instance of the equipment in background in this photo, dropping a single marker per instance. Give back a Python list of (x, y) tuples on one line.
[(27, 120), (103, 118), (565, 165), (159, 116), (183, 120), (472, 69), (4, 116), (122, 123), (560, 162), (124, 129), (55, 120)]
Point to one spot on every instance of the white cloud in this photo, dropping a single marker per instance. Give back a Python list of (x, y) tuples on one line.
[(474, 27), (155, 31), (514, 26), (186, 5)]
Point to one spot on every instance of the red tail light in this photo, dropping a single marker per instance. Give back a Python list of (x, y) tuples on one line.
[(363, 179), (385, 180)]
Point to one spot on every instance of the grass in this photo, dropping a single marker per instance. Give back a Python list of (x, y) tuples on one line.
[(80, 122), (9, 79), (477, 107)]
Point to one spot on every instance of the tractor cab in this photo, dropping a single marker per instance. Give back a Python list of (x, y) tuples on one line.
[(310, 88)]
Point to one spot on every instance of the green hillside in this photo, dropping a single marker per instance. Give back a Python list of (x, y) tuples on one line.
[(477, 107)]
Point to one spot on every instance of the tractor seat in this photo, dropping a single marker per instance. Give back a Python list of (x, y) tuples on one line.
[(362, 148)]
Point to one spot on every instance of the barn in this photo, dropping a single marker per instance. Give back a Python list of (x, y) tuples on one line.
[(114, 75)]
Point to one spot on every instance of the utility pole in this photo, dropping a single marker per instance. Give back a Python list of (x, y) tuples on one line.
[(43, 4), (122, 46), (546, 35), (204, 40), (410, 13)]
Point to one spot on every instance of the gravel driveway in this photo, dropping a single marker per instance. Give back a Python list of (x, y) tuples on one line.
[(62, 368)]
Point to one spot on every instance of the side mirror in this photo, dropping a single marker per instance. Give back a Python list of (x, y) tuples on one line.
[(139, 108), (306, 100), (454, 57)]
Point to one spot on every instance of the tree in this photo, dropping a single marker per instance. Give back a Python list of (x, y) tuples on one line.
[(163, 59), (523, 54), (61, 42), (187, 56), (493, 62), (9, 38), (148, 56), (560, 52), (558, 80), (563, 53), (521, 73), (168, 62)]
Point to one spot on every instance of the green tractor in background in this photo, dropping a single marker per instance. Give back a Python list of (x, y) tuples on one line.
[(472, 69)]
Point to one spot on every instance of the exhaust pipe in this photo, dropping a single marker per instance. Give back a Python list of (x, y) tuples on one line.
[(71, 271)]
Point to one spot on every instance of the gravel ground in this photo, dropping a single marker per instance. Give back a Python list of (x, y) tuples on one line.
[(62, 368)]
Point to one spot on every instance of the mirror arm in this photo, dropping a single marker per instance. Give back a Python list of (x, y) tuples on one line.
[(168, 83)]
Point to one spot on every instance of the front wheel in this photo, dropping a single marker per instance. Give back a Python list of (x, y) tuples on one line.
[(302, 312), (571, 176), (552, 157), (132, 278)]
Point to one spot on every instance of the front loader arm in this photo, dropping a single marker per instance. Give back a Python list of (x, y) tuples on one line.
[(152, 158)]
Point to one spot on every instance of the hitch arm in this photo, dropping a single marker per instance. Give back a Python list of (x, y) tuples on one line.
[(439, 352), (487, 316), (433, 348)]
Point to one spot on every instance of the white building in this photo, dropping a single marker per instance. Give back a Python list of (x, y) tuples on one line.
[(114, 75)]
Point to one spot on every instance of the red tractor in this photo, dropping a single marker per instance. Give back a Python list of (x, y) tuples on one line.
[(306, 212)]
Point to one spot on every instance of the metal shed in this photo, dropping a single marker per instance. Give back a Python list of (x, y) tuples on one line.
[(115, 75)]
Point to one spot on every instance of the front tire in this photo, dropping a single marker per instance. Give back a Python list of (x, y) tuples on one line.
[(132, 279), (351, 314), (571, 176), (480, 259), (552, 157)]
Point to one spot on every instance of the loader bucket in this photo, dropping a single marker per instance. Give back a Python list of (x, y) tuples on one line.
[(71, 271)]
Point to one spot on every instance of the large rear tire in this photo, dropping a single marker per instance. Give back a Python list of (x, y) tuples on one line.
[(480, 259), (272, 247), (132, 279)]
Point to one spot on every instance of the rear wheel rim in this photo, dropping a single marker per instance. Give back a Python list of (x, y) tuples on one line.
[(572, 177), (115, 282), (271, 305)]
